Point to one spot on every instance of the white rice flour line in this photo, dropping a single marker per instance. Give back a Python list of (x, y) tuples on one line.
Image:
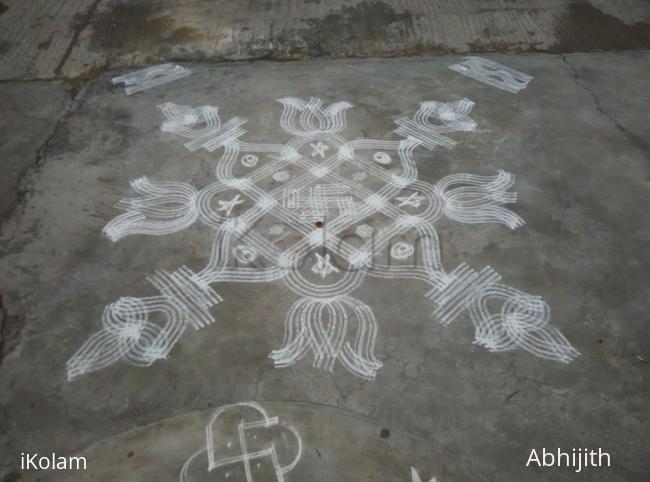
[(493, 73), (415, 476), (243, 442), (325, 321), (150, 77)]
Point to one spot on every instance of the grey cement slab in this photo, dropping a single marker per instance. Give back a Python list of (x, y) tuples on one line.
[(35, 36), (583, 190), (30, 112), (604, 82), (72, 38)]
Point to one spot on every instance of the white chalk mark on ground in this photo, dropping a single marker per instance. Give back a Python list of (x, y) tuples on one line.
[(150, 77), (323, 266), (320, 201), (493, 73), (413, 200), (319, 149), (364, 231), (325, 320), (415, 476), (228, 206), (382, 157), (244, 443), (401, 250), (249, 160)]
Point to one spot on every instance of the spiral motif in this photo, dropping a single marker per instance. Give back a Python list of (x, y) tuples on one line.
[(381, 157), (245, 254), (249, 160), (401, 250), (125, 317), (522, 322)]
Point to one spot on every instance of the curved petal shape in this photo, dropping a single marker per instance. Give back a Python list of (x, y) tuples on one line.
[(305, 118), (160, 208), (322, 326), (478, 199)]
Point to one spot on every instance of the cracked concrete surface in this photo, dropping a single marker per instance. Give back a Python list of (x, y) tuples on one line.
[(31, 111), (598, 75), (576, 139)]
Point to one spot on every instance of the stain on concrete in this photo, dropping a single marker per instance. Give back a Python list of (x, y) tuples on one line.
[(12, 477), (184, 34), (484, 46), (5, 46), (355, 29), (45, 44), (120, 33), (34, 109), (585, 28), (114, 142), (120, 119), (117, 26), (3, 8), (11, 328), (137, 26)]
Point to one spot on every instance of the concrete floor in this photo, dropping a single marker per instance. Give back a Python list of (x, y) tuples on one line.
[(577, 140), (70, 38)]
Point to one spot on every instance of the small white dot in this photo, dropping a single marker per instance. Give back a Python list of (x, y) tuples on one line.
[(381, 157), (281, 176), (359, 176), (276, 229), (249, 160)]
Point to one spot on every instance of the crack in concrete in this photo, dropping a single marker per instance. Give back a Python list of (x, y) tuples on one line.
[(3, 327), (11, 329), (633, 138), (85, 20), (23, 190), (16, 80), (10, 337)]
